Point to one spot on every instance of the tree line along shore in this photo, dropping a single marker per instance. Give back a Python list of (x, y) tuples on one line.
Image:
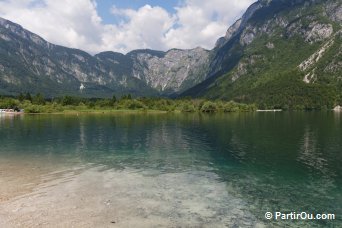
[(39, 104), (66, 104)]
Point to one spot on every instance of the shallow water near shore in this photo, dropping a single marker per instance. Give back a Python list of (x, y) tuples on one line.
[(169, 170)]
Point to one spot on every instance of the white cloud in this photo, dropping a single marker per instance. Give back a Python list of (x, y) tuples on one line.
[(71, 23), (144, 28), (202, 22), (76, 23)]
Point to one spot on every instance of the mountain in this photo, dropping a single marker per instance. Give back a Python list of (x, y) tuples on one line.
[(28, 63), (281, 53)]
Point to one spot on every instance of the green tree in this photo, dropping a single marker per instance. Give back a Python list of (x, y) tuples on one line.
[(67, 100), (38, 99), (28, 96), (114, 99), (21, 97), (126, 97)]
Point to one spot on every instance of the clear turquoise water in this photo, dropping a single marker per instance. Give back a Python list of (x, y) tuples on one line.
[(288, 162)]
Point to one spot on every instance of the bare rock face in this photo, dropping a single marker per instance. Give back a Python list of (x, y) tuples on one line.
[(233, 29), (334, 11), (239, 25), (172, 70), (318, 32), (270, 45), (247, 37), (314, 32)]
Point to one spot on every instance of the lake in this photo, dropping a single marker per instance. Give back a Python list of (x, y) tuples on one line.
[(170, 170)]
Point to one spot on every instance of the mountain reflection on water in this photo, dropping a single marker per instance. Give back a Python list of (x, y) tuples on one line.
[(270, 161)]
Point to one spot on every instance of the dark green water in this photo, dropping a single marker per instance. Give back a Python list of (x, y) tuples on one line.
[(287, 162)]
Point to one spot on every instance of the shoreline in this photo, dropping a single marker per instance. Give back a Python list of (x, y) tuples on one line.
[(149, 111), (75, 112), (269, 110)]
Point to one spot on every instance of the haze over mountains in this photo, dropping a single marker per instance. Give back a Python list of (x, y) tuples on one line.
[(281, 52)]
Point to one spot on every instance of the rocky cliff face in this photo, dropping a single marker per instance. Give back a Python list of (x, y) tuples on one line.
[(30, 64), (278, 52), (174, 70)]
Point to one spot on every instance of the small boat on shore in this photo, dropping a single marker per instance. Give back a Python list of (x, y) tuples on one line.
[(11, 111), (338, 108)]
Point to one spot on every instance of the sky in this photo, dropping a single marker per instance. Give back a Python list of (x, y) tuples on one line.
[(125, 25)]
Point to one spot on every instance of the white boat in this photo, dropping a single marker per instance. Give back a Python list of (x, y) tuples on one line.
[(338, 108), (10, 111)]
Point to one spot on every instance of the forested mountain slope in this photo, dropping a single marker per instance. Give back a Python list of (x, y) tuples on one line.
[(281, 53)]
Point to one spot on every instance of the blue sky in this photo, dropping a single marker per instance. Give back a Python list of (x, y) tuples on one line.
[(103, 6), (122, 25)]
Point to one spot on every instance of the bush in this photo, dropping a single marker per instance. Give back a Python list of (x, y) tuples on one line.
[(188, 108), (230, 107), (132, 104), (34, 109), (104, 103), (9, 103), (209, 106)]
